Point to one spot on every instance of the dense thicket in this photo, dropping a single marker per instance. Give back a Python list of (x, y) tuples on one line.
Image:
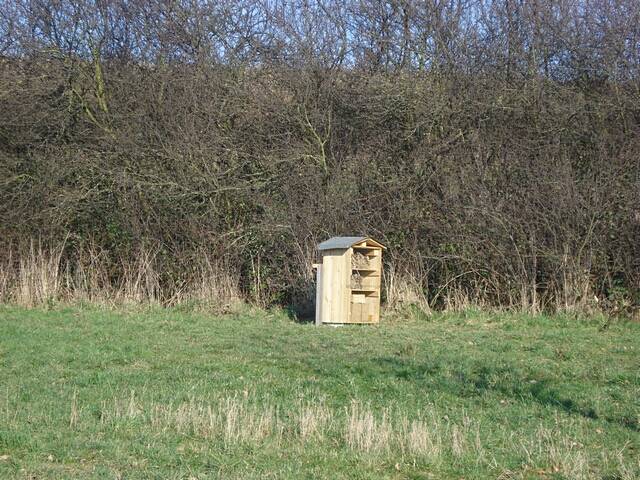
[(493, 145)]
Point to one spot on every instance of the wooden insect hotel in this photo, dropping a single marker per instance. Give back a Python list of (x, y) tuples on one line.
[(348, 281)]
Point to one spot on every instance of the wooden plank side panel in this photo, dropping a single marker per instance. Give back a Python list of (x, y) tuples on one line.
[(337, 315), (327, 274), (318, 294), (346, 286), (334, 287)]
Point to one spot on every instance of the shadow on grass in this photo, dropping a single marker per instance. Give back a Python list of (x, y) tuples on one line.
[(478, 380), (300, 314)]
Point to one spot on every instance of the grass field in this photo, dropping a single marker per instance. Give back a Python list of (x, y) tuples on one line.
[(90, 393)]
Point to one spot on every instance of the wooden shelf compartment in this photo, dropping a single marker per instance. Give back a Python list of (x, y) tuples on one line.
[(365, 262), (365, 282), (368, 250)]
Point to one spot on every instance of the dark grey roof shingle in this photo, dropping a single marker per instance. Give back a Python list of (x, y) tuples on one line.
[(340, 242)]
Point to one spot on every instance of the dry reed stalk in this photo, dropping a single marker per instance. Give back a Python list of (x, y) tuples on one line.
[(403, 289), (140, 280), (87, 277), (38, 280), (215, 284), (39, 274), (74, 415), (457, 298), (7, 277)]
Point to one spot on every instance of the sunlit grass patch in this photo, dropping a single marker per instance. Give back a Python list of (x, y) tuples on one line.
[(164, 393)]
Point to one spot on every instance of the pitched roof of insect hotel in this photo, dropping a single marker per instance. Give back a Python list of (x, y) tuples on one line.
[(347, 242)]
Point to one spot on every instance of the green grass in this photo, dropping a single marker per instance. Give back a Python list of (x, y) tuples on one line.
[(90, 393)]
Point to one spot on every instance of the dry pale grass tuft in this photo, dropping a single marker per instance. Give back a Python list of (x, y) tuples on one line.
[(386, 433), (554, 452), (239, 419), (242, 420), (75, 414), (312, 420), (366, 432), (458, 441), (423, 438), (627, 471), (248, 423), (427, 437), (232, 419)]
